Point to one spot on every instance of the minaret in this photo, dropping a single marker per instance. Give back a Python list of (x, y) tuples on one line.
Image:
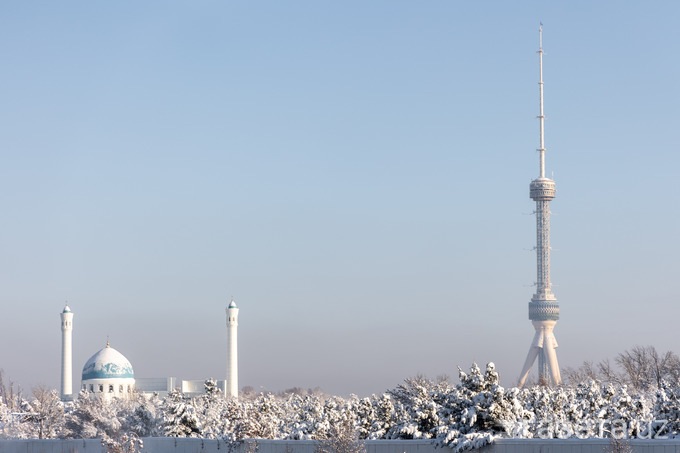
[(66, 354), (231, 384), (544, 311)]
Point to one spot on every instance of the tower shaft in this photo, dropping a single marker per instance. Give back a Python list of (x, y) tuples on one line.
[(543, 285)]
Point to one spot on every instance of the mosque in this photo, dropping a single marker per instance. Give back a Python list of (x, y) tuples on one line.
[(110, 375)]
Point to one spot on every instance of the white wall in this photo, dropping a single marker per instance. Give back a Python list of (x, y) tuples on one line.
[(184, 445)]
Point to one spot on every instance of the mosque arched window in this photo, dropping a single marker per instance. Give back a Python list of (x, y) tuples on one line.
[(110, 388), (101, 388), (120, 388), (92, 387)]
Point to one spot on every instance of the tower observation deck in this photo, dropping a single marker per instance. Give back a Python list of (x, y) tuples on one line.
[(544, 311)]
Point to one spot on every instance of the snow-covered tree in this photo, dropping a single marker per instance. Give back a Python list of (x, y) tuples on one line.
[(210, 407), (95, 417), (181, 418), (342, 437), (305, 415), (143, 416), (46, 415), (646, 368), (124, 444)]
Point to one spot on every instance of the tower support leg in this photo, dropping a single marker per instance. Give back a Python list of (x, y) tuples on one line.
[(543, 346), (531, 358)]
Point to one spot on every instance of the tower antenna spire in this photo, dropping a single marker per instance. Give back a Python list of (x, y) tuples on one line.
[(541, 117)]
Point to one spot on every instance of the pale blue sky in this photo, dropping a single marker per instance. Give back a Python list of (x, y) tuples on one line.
[(354, 173)]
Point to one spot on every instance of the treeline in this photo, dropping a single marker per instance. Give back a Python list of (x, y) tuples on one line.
[(467, 415), (641, 368)]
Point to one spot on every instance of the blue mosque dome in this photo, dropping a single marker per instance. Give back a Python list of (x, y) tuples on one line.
[(107, 363)]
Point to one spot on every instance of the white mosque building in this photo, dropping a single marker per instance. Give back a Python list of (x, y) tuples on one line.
[(110, 375), (108, 372)]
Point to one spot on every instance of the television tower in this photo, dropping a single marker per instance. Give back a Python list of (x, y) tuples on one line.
[(544, 311)]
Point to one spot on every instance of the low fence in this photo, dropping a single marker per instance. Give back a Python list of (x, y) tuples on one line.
[(188, 445)]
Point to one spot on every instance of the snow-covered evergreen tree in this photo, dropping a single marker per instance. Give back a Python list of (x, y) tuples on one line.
[(210, 407), (181, 418), (667, 407), (143, 416)]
